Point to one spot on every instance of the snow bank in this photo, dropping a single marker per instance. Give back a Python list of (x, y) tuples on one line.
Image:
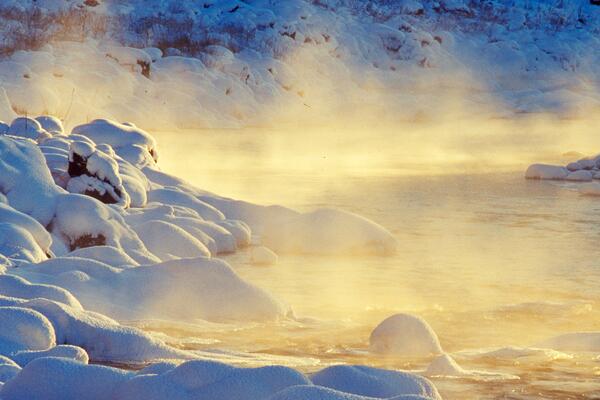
[(404, 335), (179, 289), (55, 378)]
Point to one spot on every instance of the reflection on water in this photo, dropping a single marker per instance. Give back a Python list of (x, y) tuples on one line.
[(489, 260)]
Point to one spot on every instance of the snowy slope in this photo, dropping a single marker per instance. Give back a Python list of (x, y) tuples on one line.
[(234, 63)]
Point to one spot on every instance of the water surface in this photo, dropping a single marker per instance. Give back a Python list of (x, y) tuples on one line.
[(488, 259)]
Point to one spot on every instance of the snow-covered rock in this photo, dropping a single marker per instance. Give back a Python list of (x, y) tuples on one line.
[(406, 336), (543, 171), (24, 329), (329, 231), (374, 382), (261, 255)]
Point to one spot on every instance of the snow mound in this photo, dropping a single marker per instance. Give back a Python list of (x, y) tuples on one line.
[(27, 128), (404, 335), (543, 171), (8, 369), (123, 138), (329, 231), (24, 329), (14, 286), (178, 198), (63, 351), (178, 289), (52, 378), (444, 365), (261, 255), (374, 382), (168, 241), (583, 170), (25, 180), (101, 337)]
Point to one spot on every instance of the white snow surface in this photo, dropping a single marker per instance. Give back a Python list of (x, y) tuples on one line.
[(406, 336), (71, 263)]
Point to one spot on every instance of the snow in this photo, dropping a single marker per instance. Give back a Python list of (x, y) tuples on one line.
[(406, 336), (169, 242), (543, 171), (374, 382), (444, 365), (261, 255), (60, 378), (178, 289), (329, 231), (28, 186), (24, 329), (26, 128), (178, 198), (120, 136)]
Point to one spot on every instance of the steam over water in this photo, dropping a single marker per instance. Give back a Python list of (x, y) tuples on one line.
[(489, 259)]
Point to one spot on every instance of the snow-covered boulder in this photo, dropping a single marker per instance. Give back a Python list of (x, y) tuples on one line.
[(24, 329), (544, 171), (374, 382), (51, 124), (122, 137), (406, 336), (179, 289), (54, 378), (329, 231), (261, 255), (82, 221), (95, 173), (168, 241), (8, 369), (27, 128), (26, 181)]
